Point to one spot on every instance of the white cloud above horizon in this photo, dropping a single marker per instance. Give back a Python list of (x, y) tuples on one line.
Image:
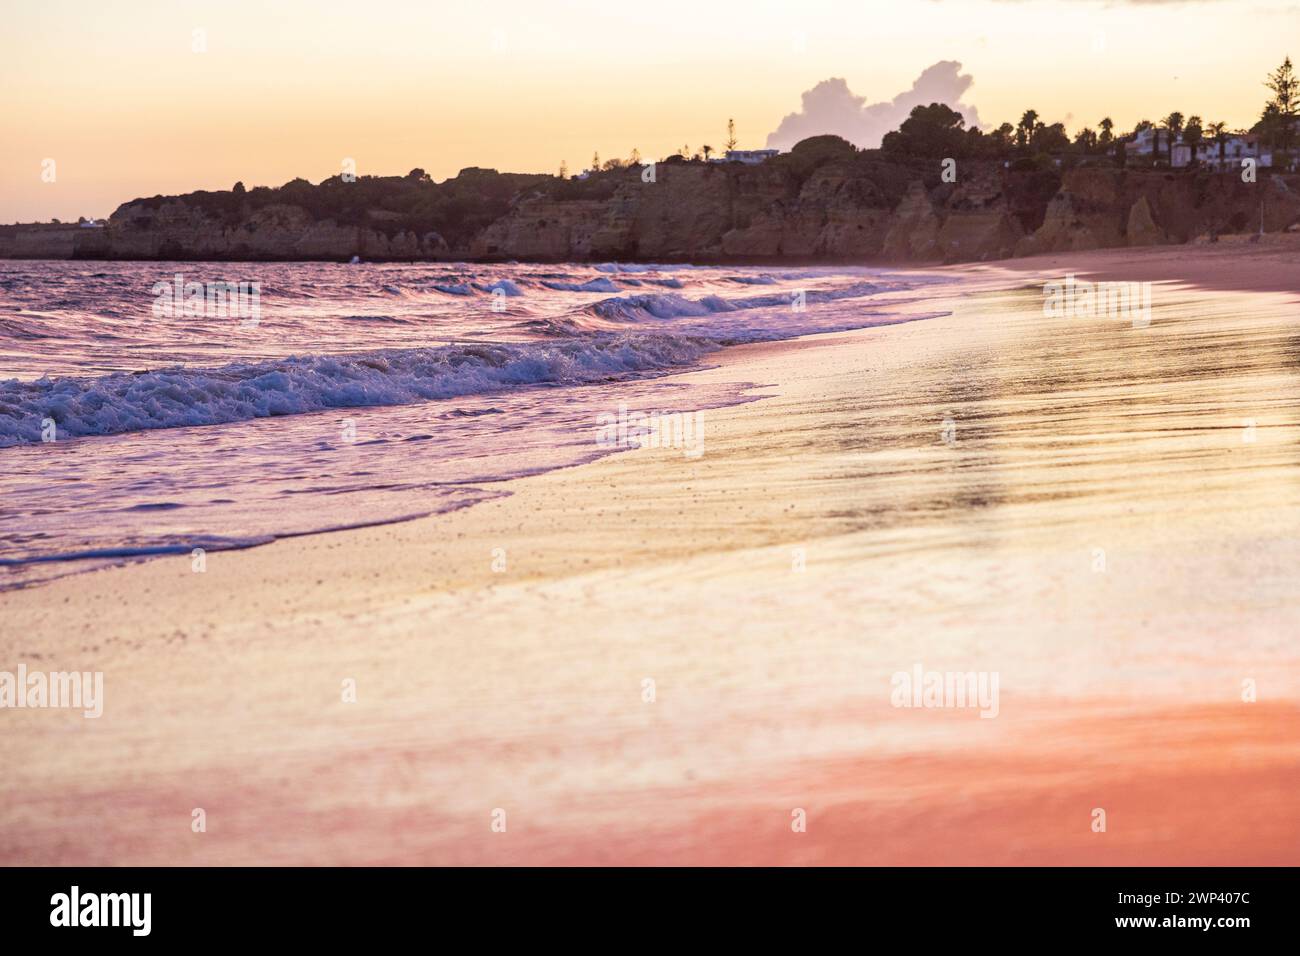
[(831, 107)]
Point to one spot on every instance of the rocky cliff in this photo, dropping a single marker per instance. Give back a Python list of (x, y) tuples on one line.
[(827, 206), (176, 230)]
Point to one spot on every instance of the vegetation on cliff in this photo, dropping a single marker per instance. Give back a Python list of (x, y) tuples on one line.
[(456, 209)]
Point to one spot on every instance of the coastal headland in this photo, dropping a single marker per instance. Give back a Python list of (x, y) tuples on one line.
[(822, 202)]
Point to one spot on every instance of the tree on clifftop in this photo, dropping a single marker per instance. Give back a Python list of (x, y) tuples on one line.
[(808, 154), (1173, 123), (1025, 128), (935, 130), (1285, 88), (1002, 139), (1193, 132), (1049, 139), (1216, 131)]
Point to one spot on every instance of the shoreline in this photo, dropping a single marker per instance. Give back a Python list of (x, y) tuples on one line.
[(1157, 262), (513, 395), (848, 542), (1234, 264), (1116, 260)]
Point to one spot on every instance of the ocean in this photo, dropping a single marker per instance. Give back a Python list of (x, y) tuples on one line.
[(143, 414)]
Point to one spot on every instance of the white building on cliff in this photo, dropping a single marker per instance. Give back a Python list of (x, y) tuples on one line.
[(1153, 142), (751, 157)]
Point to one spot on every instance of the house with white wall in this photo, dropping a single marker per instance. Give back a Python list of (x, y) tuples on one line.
[(1236, 147), (751, 157), (1153, 142)]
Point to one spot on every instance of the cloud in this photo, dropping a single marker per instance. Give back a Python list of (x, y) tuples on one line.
[(831, 107)]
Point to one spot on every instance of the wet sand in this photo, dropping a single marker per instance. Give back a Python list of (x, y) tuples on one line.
[(1240, 263), (1105, 516)]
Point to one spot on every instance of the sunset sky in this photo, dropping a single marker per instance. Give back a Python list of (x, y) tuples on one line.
[(118, 97)]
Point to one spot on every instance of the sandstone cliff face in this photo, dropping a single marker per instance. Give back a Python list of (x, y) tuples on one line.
[(1100, 208), (842, 209), (687, 211), (52, 242), (1087, 213), (173, 230), (1142, 229), (914, 229), (980, 222)]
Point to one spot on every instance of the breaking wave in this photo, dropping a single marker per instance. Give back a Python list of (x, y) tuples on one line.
[(179, 397), (343, 353)]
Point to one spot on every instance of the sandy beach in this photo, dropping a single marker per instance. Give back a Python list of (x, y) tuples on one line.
[(654, 658)]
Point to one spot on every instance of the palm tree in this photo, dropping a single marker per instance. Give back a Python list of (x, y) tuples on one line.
[(1217, 130), (1174, 123), (707, 150), (1193, 134), (1026, 127), (1107, 124)]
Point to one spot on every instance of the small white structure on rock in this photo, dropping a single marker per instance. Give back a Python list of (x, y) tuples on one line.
[(751, 157)]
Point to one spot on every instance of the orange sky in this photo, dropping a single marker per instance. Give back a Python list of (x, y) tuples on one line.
[(118, 97)]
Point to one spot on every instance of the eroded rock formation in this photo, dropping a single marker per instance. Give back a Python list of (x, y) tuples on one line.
[(836, 208)]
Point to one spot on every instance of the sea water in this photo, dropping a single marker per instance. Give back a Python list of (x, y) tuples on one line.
[(357, 394)]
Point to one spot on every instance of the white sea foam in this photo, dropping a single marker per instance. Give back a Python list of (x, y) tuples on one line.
[(439, 388), (177, 397), (503, 286), (600, 284), (624, 335), (659, 306)]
